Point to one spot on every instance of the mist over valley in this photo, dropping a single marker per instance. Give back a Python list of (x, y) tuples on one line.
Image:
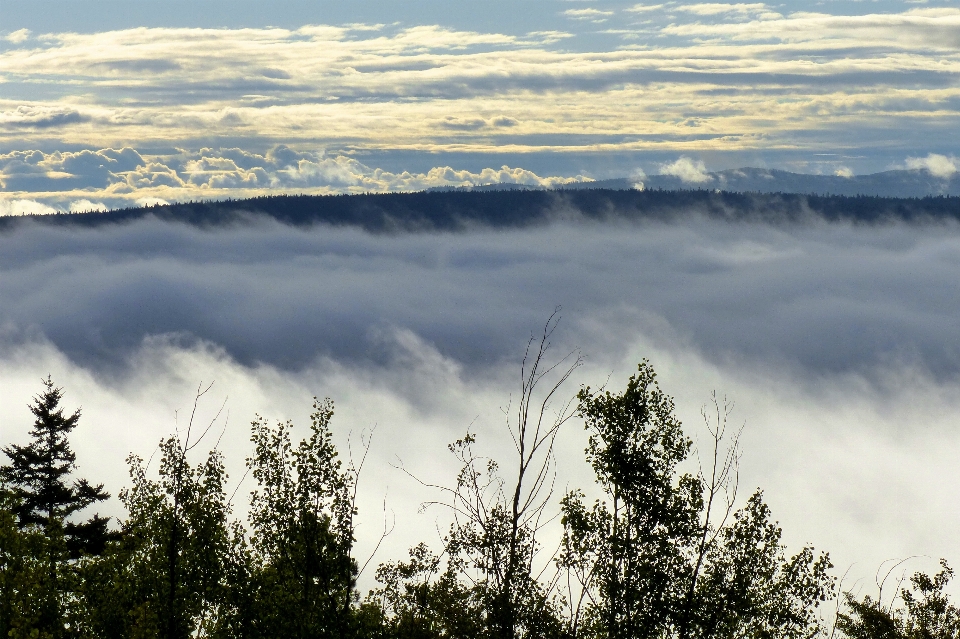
[(835, 337)]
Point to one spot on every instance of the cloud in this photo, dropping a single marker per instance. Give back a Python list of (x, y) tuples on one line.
[(687, 170), (503, 120), (39, 117), (833, 340), (97, 309), (474, 124), (937, 165), (773, 90), (150, 201), (644, 8), (60, 171), (151, 175), (719, 8), (117, 178), (829, 338), (463, 124), (548, 37), (17, 37), (590, 14), (750, 80), (24, 207), (844, 172), (86, 206), (916, 30)]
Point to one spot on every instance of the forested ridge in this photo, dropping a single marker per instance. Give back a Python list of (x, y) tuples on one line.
[(463, 210), (662, 553)]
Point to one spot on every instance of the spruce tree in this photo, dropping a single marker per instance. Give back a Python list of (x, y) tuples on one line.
[(39, 476)]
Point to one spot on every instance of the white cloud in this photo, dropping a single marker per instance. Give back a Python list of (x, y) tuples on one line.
[(86, 206), (934, 12), (843, 172), (918, 31), (547, 37), (97, 180), (937, 165), (18, 36), (150, 201), (644, 8), (24, 207), (718, 8), (593, 15), (693, 172), (428, 89)]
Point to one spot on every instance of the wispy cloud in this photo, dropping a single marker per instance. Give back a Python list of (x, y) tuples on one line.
[(707, 77), (915, 30), (590, 14), (720, 8), (17, 36), (644, 8)]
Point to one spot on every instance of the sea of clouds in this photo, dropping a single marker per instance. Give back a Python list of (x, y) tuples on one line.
[(838, 344)]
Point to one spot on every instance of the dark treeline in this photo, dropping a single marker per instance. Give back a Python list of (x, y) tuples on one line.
[(662, 553), (462, 210)]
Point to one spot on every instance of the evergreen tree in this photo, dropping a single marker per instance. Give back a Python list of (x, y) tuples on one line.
[(38, 477), (42, 498)]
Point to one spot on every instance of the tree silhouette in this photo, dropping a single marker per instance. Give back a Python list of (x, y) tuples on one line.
[(925, 613), (494, 555), (653, 560), (38, 476), (43, 498), (302, 532)]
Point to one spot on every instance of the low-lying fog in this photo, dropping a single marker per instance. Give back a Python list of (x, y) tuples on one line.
[(839, 345)]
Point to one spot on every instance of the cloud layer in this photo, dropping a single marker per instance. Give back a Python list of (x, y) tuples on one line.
[(678, 78), (825, 299), (837, 343)]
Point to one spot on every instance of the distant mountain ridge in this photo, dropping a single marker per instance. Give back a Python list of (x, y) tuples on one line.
[(460, 210), (900, 183)]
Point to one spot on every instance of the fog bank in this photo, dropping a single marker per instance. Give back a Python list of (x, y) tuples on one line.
[(838, 344)]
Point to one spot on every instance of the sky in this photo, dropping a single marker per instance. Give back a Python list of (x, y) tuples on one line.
[(113, 103), (838, 344)]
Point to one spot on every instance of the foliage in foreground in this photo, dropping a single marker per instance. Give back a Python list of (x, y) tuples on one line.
[(662, 554)]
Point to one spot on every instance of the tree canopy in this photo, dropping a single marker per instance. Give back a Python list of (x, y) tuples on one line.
[(663, 553)]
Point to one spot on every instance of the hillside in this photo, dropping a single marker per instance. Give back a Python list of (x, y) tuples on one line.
[(462, 210)]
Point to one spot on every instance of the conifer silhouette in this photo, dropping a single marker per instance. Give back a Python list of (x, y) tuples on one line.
[(39, 475)]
